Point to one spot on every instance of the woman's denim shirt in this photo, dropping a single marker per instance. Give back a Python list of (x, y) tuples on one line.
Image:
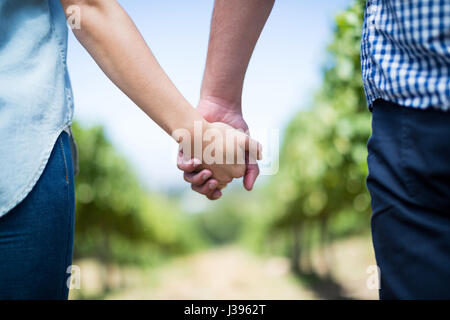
[(35, 93)]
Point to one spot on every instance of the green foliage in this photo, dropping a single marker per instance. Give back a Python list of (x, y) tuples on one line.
[(116, 219), (321, 183)]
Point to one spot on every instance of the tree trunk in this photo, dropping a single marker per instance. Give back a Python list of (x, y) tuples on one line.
[(296, 249)]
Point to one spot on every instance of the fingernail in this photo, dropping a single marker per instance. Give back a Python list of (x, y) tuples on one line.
[(217, 195), (204, 176), (212, 186)]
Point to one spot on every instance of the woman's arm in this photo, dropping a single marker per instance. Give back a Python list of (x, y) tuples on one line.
[(112, 39)]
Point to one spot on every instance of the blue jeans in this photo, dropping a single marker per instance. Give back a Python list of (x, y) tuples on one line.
[(409, 182), (36, 237)]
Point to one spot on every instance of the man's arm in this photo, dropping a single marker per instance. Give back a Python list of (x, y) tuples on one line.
[(235, 28)]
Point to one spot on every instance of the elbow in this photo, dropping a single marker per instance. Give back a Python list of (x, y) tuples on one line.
[(85, 16), (83, 4)]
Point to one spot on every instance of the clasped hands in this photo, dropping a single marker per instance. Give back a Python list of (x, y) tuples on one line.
[(210, 179)]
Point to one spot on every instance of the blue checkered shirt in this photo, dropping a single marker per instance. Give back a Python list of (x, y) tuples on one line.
[(405, 52)]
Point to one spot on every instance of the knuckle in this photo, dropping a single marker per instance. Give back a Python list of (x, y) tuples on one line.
[(198, 178), (222, 186)]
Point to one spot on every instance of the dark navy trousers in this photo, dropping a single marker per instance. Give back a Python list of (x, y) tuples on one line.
[(409, 183), (36, 237)]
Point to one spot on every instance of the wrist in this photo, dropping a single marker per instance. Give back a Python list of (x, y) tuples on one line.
[(188, 133), (185, 122), (227, 105)]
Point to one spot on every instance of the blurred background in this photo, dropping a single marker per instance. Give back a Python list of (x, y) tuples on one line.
[(302, 233)]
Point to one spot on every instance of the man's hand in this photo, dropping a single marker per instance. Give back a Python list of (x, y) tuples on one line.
[(235, 29), (214, 110)]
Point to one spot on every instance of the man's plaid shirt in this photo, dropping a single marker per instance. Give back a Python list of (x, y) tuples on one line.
[(405, 52)]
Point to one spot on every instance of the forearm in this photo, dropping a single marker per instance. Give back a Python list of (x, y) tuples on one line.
[(114, 42), (235, 29)]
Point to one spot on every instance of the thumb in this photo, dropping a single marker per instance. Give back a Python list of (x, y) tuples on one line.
[(251, 174)]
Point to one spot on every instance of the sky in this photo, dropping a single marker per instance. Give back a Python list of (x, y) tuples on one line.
[(284, 72)]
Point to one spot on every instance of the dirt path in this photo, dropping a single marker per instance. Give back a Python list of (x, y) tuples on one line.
[(234, 273), (225, 273)]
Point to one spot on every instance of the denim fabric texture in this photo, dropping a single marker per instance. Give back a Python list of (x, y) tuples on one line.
[(36, 237)]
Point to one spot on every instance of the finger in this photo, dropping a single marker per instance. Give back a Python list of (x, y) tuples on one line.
[(216, 195), (208, 189), (250, 176), (189, 165), (197, 178), (251, 173)]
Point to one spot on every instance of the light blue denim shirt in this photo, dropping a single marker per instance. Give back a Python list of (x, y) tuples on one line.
[(35, 93)]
